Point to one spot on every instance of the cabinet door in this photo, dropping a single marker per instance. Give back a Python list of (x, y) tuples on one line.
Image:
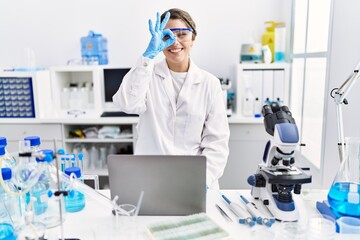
[(247, 143)]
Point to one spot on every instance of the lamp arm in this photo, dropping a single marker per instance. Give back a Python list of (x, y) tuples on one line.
[(340, 98)]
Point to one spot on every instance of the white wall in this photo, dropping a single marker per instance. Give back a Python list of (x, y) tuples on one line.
[(345, 54), (53, 28)]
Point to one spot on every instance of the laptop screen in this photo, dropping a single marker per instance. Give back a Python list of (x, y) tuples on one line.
[(173, 185)]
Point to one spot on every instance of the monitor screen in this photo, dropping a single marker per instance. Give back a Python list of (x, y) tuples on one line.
[(112, 81)]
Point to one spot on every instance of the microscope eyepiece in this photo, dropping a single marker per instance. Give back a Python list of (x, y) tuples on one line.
[(266, 110)]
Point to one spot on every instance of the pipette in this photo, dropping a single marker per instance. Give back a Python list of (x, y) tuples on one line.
[(254, 211), (81, 162), (243, 216)]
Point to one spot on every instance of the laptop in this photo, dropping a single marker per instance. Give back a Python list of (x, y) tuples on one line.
[(173, 185)]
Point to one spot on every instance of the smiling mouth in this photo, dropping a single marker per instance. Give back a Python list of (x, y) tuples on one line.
[(175, 50)]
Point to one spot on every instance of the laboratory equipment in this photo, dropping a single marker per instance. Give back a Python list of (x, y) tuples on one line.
[(11, 202), (223, 213), (268, 38), (276, 176), (349, 225), (267, 54), (8, 160), (75, 201), (31, 230), (46, 206), (7, 231), (254, 211), (226, 86), (339, 94), (344, 194), (280, 42), (94, 49), (251, 52), (243, 216), (34, 143)]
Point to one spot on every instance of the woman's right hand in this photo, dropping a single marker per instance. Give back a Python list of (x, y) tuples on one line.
[(158, 36)]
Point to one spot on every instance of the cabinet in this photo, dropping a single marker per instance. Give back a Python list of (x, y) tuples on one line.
[(97, 145), (247, 143), (49, 134), (266, 82), (76, 91)]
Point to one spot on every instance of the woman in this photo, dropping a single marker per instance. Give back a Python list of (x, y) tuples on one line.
[(180, 106)]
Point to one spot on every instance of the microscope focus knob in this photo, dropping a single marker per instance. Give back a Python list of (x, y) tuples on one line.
[(297, 188), (256, 180)]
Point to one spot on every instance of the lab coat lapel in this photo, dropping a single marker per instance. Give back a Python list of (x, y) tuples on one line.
[(193, 77), (162, 70)]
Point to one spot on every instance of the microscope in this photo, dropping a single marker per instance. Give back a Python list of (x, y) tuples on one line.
[(276, 176)]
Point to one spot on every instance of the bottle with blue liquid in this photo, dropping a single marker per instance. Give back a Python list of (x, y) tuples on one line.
[(46, 206), (344, 194), (75, 201), (10, 211)]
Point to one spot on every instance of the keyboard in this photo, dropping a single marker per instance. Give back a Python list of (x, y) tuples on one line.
[(118, 114)]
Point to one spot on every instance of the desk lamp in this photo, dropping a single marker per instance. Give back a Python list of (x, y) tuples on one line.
[(339, 95)]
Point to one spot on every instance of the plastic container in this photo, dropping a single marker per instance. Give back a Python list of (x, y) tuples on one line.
[(10, 201), (348, 225), (94, 49), (280, 42), (75, 201), (268, 38)]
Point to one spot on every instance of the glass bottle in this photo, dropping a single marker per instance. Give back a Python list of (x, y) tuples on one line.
[(344, 194), (75, 201), (8, 160)]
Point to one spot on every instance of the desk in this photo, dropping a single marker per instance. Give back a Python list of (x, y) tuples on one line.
[(97, 221)]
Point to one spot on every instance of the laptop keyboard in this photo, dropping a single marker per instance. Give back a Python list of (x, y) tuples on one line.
[(118, 114)]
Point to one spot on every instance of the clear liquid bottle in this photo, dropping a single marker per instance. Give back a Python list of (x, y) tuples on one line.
[(75, 201), (46, 205), (94, 156), (344, 194), (8, 160), (10, 199), (7, 231)]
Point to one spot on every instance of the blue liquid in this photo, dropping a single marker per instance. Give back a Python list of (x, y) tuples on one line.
[(279, 57), (338, 199), (7, 232), (40, 204), (75, 202)]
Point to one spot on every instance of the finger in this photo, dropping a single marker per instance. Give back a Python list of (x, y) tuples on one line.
[(157, 25), (171, 39), (164, 22), (151, 29)]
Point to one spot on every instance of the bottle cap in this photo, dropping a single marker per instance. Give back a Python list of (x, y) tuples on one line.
[(34, 140), (6, 173), (75, 170), (49, 157), (2, 150), (3, 141)]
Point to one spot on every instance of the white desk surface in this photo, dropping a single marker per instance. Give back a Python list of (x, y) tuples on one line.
[(97, 222)]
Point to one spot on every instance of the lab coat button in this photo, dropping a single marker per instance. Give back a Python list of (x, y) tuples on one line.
[(145, 64)]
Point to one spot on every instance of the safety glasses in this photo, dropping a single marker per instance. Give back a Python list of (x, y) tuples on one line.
[(182, 34)]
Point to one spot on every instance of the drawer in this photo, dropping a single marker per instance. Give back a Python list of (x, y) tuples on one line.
[(248, 132), (16, 132)]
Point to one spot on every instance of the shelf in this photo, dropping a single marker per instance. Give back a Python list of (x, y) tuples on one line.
[(96, 140)]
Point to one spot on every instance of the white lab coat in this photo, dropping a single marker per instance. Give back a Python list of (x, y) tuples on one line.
[(194, 125)]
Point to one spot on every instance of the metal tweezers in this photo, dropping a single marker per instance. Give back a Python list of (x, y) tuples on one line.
[(223, 213)]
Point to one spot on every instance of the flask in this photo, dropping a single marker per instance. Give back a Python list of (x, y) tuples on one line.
[(94, 49), (9, 198), (280, 42), (8, 160), (46, 206), (268, 38), (75, 201), (344, 194)]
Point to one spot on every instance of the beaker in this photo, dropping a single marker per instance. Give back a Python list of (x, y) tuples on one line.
[(344, 194)]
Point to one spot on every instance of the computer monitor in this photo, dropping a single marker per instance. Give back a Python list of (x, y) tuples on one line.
[(112, 79)]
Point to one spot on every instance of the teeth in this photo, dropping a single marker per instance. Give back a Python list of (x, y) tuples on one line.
[(175, 50)]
